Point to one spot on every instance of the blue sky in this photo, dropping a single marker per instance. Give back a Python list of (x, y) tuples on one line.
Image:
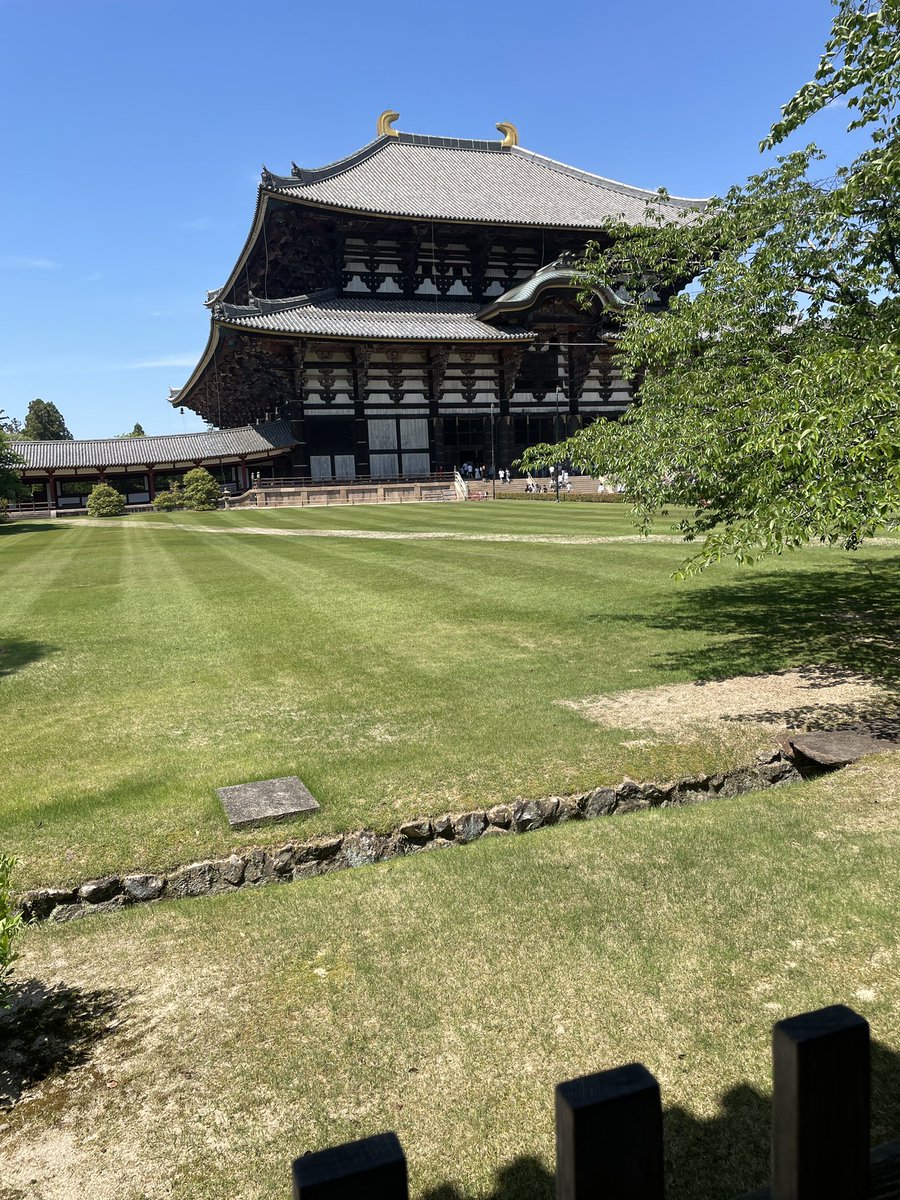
[(134, 133)]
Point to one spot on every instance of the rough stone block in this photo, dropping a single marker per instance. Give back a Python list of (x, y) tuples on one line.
[(528, 814), (68, 912), (501, 815), (469, 826), (232, 869), (319, 848), (197, 879), (361, 849), (39, 904), (569, 809), (259, 867), (443, 826), (249, 804), (97, 890), (417, 831), (600, 802), (140, 888)]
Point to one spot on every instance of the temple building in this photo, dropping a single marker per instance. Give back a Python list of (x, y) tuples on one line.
[(414, 306), (60, 475)]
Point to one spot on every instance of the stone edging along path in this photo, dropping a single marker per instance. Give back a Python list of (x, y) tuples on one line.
[(319, 855)]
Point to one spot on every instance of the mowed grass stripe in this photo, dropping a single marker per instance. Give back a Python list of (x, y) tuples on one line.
[(393, 677)]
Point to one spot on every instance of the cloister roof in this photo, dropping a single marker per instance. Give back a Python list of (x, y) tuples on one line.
[(145, 451), (328, 315)]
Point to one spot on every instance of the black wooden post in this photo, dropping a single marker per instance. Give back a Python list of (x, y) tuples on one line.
[(820, 1106), (371, 1169), (609, 1139)]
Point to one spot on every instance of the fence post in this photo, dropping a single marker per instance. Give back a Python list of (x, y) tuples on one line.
[(609, 1139), (820, 1106), (371, 1169)]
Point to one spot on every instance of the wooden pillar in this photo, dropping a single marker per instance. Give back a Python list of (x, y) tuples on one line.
[(374, 1168), (436, 444), (151, 482), (52, 497), (820, 1106), (609, 1137), (505, 443)]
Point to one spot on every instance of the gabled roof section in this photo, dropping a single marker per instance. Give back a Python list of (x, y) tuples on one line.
[(562, 273), (183, 448), (433, 178), (326, 314)]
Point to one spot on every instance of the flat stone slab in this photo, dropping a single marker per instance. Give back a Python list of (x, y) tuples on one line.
[(250, 804), (837, 749)]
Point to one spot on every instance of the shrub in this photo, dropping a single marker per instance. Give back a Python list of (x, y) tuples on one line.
[(4, 510), (568, 497), (105, 501), (170, 500), (10, 922), (201, 490)]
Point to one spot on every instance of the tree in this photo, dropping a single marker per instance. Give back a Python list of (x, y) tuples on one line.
[(768, 397), (138, 431), (105, 501), (171, 500), (44, 423), (10, 484), (10, 425), (201, 489)]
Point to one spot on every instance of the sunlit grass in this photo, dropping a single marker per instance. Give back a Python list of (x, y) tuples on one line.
[(445, 995), (144, 665)]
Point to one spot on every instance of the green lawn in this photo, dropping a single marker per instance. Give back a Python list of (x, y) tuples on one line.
[(191, 1049), (144, 665)]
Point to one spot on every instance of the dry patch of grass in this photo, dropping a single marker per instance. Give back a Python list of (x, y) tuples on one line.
[(811, 697), (444, 995)]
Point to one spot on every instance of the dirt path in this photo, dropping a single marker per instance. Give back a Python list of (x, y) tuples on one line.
[(550, 539)]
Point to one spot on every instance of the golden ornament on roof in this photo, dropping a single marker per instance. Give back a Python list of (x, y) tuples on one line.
[(510, 133), (385, 121)]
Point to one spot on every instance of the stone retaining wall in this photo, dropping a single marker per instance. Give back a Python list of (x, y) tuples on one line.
[(318, 855)]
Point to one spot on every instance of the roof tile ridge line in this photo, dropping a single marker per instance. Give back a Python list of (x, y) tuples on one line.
[(260, 307), (627, 189), (438, 142), (303, 175), (115, 437)]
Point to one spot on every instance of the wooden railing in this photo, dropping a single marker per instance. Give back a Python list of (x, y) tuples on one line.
[(306, 481), (609, 1128)]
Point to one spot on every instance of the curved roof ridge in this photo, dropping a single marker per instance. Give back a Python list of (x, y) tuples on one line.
[(264, 438), (260, 305), (144, 437), (627, 189)]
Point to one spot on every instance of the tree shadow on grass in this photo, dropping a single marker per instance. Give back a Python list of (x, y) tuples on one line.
[(20, 526), (716, 1159), (16, 653), (847, 617), (49, 1030)]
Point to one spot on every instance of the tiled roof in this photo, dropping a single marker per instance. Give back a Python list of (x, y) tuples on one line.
[(144, 451), (410, 175), (328, 315), (562, 273)]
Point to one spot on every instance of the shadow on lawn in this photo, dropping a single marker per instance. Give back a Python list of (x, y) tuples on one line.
[(49, 1030), (847, 617), (28, 527), (716, 1159), (15, 654)]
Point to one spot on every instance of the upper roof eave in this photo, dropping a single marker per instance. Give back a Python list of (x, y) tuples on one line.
[(304, 175)]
